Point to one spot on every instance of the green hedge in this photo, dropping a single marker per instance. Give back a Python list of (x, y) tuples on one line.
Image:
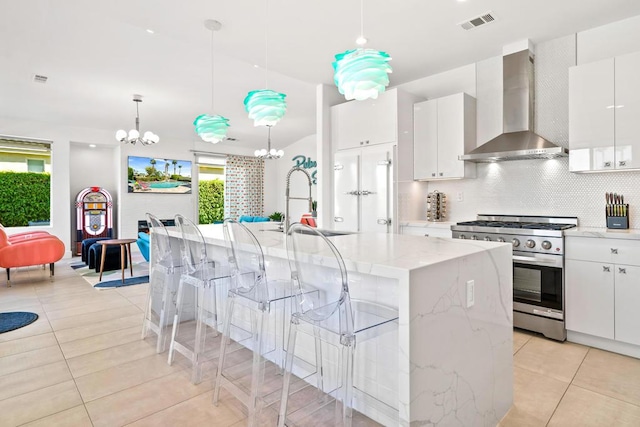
[(211, 206), (24, 197)]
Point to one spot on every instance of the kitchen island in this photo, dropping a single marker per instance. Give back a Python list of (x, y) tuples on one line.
[(450, 362)]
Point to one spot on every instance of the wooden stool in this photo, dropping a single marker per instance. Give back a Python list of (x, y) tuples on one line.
[(123, 243)]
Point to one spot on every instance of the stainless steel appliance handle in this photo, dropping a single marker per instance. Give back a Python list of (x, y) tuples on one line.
[(548, 313), (538, 261)]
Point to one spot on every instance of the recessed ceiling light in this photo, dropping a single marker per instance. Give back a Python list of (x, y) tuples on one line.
[(150, 31), (256, 66), (92, 145)]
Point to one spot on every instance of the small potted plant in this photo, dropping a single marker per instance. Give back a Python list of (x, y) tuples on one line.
[(314, 208), (276, 216)]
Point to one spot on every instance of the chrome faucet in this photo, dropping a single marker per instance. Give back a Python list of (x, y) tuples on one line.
[(287, 221)]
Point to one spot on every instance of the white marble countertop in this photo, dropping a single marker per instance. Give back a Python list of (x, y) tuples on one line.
[(630, 234), (386, 255), (422, 223)]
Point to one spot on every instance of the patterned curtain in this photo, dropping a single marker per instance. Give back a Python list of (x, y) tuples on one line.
[(243, 187)]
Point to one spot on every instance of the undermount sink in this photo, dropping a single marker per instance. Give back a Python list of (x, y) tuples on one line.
[(326, 233)]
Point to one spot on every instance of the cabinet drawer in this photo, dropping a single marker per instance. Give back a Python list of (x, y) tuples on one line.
[(426, 231), (617, 251)]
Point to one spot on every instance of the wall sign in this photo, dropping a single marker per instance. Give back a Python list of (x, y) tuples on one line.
[(305, 162)]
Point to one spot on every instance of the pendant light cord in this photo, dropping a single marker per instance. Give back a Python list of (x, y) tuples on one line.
[(362, 18), (212, 73), (266, 44)]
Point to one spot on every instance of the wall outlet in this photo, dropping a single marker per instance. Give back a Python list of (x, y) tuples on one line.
[(460, 196), (471, 293)]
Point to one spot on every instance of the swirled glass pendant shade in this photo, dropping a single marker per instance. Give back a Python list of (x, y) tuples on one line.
[(211, 128), (265, 107), (361, 73)]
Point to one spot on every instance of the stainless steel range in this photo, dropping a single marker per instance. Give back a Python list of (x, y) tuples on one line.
[(538, 265)]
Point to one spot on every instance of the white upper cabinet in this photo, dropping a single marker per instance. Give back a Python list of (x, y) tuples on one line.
[(368, 122), (604, 103), (444, 128), (388, 119), (627, 111)]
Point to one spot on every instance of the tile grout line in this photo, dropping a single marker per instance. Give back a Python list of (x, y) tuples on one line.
[(568, 386)]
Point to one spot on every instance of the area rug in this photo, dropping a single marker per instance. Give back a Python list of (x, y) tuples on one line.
[(140, 269), (128, 281), (15, 320)]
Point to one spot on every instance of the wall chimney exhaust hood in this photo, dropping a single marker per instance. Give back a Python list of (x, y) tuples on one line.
[(518, 142)]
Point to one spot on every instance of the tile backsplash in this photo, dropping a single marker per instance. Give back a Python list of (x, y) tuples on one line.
[(540, 187)]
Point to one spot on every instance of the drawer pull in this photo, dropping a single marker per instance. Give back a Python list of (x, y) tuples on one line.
[(606, 269), (622, 270), (614, 251)]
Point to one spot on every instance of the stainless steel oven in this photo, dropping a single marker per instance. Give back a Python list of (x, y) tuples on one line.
[(538, 265)]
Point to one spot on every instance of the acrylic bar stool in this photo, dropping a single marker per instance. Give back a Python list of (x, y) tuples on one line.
[(325, 311), (249, 288), (161, 280), (200, 275)]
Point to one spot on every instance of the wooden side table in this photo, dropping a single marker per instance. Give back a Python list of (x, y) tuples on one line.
[(123, 243)]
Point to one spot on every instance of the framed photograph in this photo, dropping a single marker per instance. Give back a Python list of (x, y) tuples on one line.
[(156, 175)]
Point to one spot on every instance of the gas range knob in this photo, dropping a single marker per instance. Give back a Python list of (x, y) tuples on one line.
[(530, 244), (487, 238), (474, 237), (546, 244), (500, 239), (515, 243)]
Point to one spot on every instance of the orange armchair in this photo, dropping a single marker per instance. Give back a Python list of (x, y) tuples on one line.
[(37, 249)]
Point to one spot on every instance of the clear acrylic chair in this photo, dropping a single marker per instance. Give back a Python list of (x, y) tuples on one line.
[(324, 309), (160, 305), (250, 289), (196, 298)]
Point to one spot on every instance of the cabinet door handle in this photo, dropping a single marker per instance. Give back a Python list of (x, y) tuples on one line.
[(606, 269), (440, 174), (338, 219), (607, 164), (433, 174), (622, 163), (361, 142), (614, 251), (367, 141), (622, 270)]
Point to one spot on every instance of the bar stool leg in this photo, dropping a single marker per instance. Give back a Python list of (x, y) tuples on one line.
[(223, 348), (291, 344), (201, 333), (257, 374), (176, 320)]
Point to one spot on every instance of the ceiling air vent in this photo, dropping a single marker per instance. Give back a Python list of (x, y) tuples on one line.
[(230, 138), (39, 78), (485, 18)]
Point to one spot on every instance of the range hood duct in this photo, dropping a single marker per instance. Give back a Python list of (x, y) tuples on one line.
[(518, 142)]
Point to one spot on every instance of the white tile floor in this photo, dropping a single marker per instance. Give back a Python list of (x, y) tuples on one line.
[(82, 363)]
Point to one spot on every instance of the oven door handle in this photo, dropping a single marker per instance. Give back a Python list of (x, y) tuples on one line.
[(538, 261)]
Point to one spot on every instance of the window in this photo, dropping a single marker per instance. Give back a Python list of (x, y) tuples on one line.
[(25, 182), (211, 170), (35, 165)]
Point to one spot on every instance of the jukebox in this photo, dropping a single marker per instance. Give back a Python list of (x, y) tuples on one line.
[(94, 215)]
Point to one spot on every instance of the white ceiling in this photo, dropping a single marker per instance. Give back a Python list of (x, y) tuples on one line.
[(97, 54)]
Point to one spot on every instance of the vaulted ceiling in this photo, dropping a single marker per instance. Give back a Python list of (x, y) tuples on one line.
[(97, 54)]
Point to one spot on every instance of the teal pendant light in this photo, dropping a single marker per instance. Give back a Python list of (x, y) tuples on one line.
[(361, 73), (266, 107), (212, 128)]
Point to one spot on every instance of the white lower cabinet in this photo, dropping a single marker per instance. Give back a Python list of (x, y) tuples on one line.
[(602, 295)]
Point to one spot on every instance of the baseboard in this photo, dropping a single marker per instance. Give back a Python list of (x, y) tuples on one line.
[(604, 344)]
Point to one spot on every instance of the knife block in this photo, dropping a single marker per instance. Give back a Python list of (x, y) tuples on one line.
[(436, 206), (619, 222)]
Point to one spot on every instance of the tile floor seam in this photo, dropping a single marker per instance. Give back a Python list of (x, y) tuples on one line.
[(607, 396), (97, 335)]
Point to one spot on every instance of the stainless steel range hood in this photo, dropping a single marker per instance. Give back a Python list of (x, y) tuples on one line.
[(518, 142)]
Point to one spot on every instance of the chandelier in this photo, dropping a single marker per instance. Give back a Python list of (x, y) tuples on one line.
[(133, 136), (269, 153)]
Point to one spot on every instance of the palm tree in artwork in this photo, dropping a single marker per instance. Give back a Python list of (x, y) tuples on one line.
[(174, 163), (153, 163), (166, 169), (180, 170)]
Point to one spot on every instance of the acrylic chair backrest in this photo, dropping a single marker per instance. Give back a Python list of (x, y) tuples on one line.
[(160, 241), (192, 247), (246, 261), (319, 276)]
